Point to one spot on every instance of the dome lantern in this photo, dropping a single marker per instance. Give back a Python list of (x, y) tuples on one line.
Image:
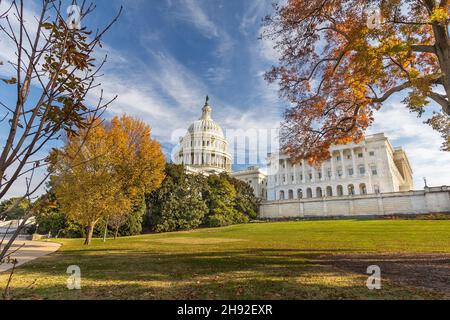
[(207, 110)]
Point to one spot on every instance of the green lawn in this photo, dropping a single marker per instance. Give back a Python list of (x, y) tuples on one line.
[(286, 260)]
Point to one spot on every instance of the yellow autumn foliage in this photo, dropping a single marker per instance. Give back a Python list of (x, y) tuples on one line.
[(103, 170), (439, 15)]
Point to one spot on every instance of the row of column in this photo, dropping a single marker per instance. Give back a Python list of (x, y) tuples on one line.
[(206, 159), (198, 143), (334, 172)]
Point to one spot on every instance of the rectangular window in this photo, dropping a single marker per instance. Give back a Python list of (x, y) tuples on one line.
[(362, 170), (350, 172), (374, 171), (360, 155), (372, 153)]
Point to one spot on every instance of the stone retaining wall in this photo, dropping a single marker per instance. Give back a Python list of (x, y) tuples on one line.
[(430, 200)]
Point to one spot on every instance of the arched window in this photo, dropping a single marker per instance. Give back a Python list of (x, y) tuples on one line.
[(340, 191), (291, 194), (319, 193), (376, 189), (281, 195), (351, 190), (329, 191), (362, 189), (309, 193), (299, 194)]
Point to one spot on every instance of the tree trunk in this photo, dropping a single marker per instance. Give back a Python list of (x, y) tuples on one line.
[(106, 230), (90, 232), (116, 233), (443, 53)]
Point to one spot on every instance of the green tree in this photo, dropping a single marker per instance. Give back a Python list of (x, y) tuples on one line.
[(134, 223), (19, 208), (246, 201), (51, 219), (187, 201), (221, 199), (178, 204)]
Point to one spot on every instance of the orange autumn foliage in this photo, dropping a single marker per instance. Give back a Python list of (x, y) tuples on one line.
[(336, 68)]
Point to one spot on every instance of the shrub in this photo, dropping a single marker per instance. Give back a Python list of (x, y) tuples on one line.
[(133, 225)]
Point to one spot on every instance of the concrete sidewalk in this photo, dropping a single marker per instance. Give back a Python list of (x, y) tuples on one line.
[(31, 251)]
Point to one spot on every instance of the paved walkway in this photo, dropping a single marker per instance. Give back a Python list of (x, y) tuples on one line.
[(31, 251)]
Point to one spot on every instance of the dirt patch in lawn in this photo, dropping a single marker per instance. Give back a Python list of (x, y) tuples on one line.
[(198, 241), (428, 271)]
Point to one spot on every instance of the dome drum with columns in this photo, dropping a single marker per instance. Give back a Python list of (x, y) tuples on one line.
[(204, 148)]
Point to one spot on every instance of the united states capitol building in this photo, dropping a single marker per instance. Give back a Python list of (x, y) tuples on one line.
[(370, 167), (204, 148), (368, 178)]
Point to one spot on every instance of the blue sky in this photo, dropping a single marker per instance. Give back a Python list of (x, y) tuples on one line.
[(165, 56)]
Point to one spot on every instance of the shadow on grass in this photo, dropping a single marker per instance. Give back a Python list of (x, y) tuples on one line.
[(230, 274), (429, 271), (257, 289)]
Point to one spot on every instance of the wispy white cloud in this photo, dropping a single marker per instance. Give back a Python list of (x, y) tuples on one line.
[(255, 11), (176, 81), (194, 13), (8, 49), (191, 11), (147, 98), (266, 49), (217, 75), (421, 143)]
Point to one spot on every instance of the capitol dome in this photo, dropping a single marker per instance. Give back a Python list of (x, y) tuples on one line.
[(206, 123), (204, 148)]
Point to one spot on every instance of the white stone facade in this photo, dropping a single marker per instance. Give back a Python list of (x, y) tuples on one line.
[(204, 148), (370, 167), (255, 178)]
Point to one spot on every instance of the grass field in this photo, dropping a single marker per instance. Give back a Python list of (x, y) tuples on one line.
[(286, 260)]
